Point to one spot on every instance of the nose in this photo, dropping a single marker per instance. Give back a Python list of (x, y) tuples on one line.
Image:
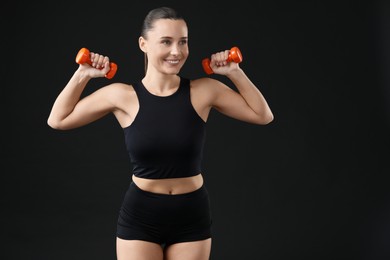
[(175, 50)]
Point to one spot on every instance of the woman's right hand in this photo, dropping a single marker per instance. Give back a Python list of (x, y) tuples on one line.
[(100, 66)]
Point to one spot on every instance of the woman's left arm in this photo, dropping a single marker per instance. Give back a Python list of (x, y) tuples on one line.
[(248, 103), (256, 108)]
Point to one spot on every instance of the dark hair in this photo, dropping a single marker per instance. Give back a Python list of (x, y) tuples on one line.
[(154, 15)]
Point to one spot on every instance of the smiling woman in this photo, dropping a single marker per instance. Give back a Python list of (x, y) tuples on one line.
[(158, 42), (165, 213)]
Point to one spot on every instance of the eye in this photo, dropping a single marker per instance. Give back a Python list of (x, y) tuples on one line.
[(183, 42), (166, 42)]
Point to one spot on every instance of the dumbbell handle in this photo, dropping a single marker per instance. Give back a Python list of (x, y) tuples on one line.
[(83, 56), (234, 55)]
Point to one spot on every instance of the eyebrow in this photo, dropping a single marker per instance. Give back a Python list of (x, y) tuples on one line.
[(167, 37)]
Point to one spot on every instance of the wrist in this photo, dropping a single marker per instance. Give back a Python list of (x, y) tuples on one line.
[(236, 73), (81, 76)]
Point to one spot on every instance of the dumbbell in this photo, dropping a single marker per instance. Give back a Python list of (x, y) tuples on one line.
[(83, 56), (234, 55)]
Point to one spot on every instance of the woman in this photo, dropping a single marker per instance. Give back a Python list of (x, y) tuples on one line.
[(165, 212)]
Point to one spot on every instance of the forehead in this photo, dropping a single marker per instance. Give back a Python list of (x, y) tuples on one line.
[(169, 28)]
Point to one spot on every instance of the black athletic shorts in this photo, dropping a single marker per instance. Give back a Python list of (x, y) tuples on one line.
[(164, 219)]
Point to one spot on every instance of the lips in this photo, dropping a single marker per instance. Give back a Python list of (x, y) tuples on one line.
[(173, 62)]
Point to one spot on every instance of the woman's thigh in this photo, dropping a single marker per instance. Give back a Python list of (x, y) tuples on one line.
[(195, 250), (138, 250)]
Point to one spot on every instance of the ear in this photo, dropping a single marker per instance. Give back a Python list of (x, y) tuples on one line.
[(142, 44)]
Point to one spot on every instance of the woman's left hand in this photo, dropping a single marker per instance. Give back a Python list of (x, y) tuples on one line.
[(220, 65)]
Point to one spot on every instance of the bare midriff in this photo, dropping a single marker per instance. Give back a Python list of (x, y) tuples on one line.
[(170, 186)]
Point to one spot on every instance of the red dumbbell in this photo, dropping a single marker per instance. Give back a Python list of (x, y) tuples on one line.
[(234, 55), (83, 56)]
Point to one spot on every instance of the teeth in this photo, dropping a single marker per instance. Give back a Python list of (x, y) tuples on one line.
[(173, 61)]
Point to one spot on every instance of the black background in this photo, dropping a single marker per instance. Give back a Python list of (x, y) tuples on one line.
[(311, 185)]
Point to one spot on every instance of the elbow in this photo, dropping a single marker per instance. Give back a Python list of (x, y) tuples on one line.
[(265, 118), (270, 118), (53, 124)]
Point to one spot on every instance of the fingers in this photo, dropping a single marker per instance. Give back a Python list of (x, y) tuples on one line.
[(99, 61), (220, 58)]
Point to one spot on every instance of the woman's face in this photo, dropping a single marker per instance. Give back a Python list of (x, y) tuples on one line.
[(166, 46)]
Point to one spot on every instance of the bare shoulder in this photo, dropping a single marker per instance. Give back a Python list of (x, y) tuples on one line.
[(119, 87), (123, 99), (207, 86), (118, 91), (204, 83), (204, 92)]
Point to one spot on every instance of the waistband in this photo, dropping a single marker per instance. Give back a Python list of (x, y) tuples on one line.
[(200, 191)]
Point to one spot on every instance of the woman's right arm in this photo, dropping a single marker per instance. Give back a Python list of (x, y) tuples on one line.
[(68, 110)]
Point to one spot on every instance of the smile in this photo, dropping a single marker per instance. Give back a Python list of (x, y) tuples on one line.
[(173, 61)]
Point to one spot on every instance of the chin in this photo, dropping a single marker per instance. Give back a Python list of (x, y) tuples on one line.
[(173, 70)]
